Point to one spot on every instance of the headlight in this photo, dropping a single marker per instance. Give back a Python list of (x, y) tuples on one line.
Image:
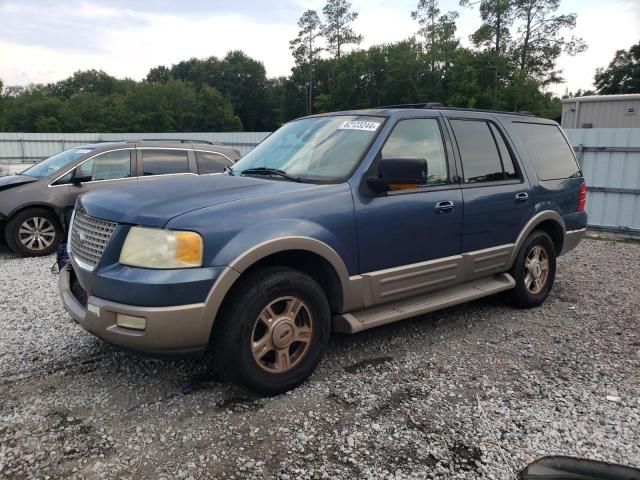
[(158, 248)]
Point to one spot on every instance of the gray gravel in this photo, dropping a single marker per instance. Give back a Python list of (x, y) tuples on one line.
[(475, 391)]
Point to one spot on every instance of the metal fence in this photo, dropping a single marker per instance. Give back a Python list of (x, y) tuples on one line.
[(18, 150), (610, 159)]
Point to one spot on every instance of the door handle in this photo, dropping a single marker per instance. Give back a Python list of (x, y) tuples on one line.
[(446, 206), (522, 197)]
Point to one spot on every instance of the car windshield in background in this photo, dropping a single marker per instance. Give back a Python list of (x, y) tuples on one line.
[(55, 163), (315, 149)]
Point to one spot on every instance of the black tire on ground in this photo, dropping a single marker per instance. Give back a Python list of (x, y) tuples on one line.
[(42, 220), (238, 332), (527, 293)]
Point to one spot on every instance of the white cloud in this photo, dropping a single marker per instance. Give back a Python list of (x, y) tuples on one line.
[(127, 43)]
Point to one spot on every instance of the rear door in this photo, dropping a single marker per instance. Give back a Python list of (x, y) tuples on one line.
[(495, 190), (154, 161)]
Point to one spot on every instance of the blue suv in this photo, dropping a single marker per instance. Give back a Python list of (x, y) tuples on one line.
[(336, 223)]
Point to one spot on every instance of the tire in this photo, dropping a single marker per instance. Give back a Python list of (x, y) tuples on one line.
[(47, 233), (252, 343), (531, 291)]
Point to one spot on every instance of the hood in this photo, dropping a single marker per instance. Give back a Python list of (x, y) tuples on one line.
[(15, 180), (154, 201)]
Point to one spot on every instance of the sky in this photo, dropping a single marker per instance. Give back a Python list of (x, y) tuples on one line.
[(46, 41)]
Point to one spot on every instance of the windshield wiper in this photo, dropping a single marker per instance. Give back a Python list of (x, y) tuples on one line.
[(269, 171), (229, 170)]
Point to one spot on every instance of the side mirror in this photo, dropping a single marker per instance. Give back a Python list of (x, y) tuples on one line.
[(398, 173), (78, 179), (561, 468)]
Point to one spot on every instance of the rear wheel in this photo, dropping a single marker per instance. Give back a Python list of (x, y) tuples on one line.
[(273, 330), (534, 270), (33, 232)]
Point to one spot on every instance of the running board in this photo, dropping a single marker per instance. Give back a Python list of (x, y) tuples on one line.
[(366, 318)]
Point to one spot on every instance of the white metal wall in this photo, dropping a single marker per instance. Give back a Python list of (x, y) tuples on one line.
[(613, 111), (16, 149), (610, 159)]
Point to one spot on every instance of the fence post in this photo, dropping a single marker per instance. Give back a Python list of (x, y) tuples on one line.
[(580, 154), (24, 155)]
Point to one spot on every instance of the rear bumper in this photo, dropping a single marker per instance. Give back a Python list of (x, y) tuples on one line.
[(571, 239), (181, 329)]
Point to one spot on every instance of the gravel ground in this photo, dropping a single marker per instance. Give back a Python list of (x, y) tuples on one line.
[(475, 391)]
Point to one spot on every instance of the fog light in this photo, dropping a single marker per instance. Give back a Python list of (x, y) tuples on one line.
[(134, 323)]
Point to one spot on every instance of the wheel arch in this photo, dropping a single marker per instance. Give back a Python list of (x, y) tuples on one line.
[(550, 222), (57, 212), (311, 256)]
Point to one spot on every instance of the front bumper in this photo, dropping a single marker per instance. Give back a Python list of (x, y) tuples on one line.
[(182, 329), (571, 239)]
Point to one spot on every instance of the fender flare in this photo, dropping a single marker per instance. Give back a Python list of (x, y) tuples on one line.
[(237, 267), (531, 226)]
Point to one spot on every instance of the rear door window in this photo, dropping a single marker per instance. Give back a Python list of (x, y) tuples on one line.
[(549, 151), (505, 154), (479, 153), (164, 162), (211, 162)]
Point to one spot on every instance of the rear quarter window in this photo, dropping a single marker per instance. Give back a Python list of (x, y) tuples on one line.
[(551, 155)]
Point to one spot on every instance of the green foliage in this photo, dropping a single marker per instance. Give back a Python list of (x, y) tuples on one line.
[(514, 55), (542, 38), (337, 29), (622, 75)]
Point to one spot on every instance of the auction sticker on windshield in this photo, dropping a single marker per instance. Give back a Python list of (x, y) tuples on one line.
[(359, 125)]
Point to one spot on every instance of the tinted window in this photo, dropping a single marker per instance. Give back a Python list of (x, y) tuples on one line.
[(478, 151), (163, 162), (211, 162), (107, 166), (419, 138), (547, 148), (505, 154)]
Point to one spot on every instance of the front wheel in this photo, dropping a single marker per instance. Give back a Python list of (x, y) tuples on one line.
[(273, 330), (33, 233), (534, 270)]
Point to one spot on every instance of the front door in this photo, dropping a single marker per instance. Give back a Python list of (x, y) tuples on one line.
[(103, 170), (401, 228)]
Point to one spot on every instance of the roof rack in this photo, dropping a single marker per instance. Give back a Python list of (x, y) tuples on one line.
[(440, 106), (176, 140)]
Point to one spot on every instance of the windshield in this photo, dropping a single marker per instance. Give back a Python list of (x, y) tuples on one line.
[(55, 163), (321, 148)]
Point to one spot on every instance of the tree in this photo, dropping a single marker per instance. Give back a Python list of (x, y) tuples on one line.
[(622, 75), (440, 44), (493, 35), (305, 50), (337, 29), (541, 38), (159, 74)]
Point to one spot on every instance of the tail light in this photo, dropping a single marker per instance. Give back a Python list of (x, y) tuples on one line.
[(582, 197)]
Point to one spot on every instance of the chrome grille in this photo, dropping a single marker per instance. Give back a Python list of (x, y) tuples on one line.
[(88, 238)]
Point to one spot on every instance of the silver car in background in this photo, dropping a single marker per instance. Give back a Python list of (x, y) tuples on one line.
[(35, 205)]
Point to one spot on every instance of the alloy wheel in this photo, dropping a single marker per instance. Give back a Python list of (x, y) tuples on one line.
[(37, 233), (536, 268), (282, 334)]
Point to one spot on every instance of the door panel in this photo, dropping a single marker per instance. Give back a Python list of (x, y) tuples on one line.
[(406, 227), (493, 216), (496, 194)]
